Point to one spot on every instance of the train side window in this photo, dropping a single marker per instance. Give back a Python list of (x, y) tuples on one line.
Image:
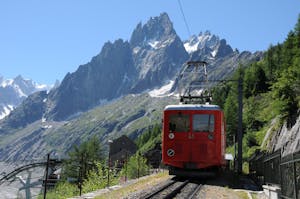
[(203, 123), (179, 123)]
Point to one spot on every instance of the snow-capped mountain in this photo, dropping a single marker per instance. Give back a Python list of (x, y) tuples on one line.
[(146, 67), (203, 40), (209, 45), (14, 91), (152, 57)]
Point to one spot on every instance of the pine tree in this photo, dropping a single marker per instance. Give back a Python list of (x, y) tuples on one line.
[(82, 158)]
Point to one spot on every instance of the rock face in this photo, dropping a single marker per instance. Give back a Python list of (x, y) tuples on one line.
[(285, 139), (110, 90), (153, 56), (158, 53), (107, 76), (31, 109), (14, 91)]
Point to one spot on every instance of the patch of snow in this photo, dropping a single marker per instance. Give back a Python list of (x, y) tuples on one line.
[(7, 82), (41, 87), (154, 44), (200, 41), (6, 111), (163, 91), (167, 42), (2, 115), (47, 127), (136, 50), (45, 100), (213, 53), (189, 47), (19, 91)]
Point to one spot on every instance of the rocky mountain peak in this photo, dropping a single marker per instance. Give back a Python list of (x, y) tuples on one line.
[(14, 91), (202, 41), (156, 29), (223, 49), (107, 76), (207, 46)]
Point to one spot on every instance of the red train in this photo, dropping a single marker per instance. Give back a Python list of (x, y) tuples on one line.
[(193, 140)]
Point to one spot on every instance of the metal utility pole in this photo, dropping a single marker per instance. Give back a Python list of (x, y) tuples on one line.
[(138, 165), (46, 176), (109, 159), (80, 175), (240, 125), (126, 166)]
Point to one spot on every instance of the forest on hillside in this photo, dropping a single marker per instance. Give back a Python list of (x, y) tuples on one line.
[(271, 89)]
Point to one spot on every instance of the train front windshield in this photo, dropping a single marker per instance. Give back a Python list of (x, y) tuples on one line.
[(179, 123), (201, 123)]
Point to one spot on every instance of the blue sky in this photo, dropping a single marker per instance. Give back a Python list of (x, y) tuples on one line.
[(43, 40)]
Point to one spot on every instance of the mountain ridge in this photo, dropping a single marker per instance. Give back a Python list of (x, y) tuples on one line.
[(14, 91), (150, 60)]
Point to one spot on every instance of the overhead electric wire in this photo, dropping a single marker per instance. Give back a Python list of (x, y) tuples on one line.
[(184, 19)]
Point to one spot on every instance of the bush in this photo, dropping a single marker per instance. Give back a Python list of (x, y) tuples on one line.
[(135, 167), (62, 190)]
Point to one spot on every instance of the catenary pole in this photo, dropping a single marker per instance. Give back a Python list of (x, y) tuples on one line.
[(46, 176), (240, 125)]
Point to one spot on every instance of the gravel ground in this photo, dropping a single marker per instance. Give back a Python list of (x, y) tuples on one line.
[(216, 192), (225, 186)]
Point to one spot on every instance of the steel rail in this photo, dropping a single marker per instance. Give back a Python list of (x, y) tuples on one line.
[(195, 191), (160, 190)]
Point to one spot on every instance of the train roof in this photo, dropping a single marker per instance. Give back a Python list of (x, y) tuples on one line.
[(193, 107)]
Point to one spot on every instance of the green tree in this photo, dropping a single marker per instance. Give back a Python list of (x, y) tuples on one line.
[(97, 178), (149, 138), (255, 81), (286, 94), (230, 110), (135, 167), (82, 159), (220, 93)]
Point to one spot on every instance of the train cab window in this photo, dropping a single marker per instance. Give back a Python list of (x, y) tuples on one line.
[(179, 123), (203, 123)]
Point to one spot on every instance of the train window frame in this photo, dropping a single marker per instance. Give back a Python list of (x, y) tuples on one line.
[(210, 123), (173, 125)]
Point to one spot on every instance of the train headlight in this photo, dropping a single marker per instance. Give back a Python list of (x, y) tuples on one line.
[(210, 136), (171, 136), (171, 152)]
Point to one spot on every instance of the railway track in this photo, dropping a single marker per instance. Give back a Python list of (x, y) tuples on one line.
[(176, 188)]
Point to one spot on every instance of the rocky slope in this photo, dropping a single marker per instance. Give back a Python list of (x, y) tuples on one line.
[(129, 115), (285, 139)]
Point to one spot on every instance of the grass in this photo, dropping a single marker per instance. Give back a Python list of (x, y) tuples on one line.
[(242, 194), (254, 195), (141, 184)]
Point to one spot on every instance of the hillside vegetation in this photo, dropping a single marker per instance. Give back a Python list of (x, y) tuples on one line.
[(271, 89)]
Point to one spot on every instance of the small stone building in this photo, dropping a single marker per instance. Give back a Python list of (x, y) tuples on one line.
[(121, 149)]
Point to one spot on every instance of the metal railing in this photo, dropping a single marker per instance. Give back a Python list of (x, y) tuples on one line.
[(282, 171)]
